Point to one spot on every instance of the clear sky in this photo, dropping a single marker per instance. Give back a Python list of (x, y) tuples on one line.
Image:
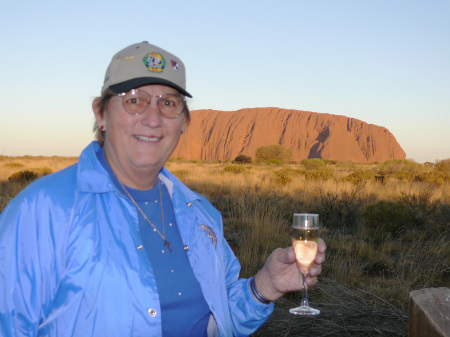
[(385, 62)]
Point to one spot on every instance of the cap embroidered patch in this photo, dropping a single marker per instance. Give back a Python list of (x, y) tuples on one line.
[(210, 235), (154, 62), (174, 65)]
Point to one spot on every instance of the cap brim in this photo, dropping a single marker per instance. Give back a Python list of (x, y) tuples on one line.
[(140, 81)]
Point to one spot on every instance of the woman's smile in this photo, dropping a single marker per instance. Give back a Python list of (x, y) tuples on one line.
[(148, 139)]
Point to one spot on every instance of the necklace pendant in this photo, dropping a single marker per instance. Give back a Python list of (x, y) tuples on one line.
[(167, 244)]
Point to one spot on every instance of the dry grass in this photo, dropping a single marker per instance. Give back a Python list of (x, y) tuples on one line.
[(39, 165), (10, 165), (370, 270), (345, 311)]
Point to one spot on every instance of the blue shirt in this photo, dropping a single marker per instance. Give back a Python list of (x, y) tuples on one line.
[(184, 311)]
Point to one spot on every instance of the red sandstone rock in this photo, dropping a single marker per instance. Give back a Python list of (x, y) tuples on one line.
[(219, 135)]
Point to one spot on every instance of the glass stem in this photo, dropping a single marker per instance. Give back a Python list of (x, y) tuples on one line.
[(305, 292)]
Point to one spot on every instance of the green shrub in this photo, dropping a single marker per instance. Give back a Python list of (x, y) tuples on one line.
[(316, 169), (319, 174), (23, 176), (291, 172), (341, 212), (432, 177), (359, 177), (275, 162), (443, 166), (421, 207), (236, 169), (403, 175), (397, 165), (243, 159), (386, 219), (313, 164), (276, 151), (283, 177), (13, 165)]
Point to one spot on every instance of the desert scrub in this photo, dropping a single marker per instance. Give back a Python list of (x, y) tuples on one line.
[(402, 175), (196, 161), (422, 208), (181, 174), (425, 260), (443, 166), (177, 160), (397, 165), (13, 165), (285, 176), (42, 171), (360, 176), (341, 212), (8, 190), (345, 263), (432, 177), (237, 169), (442, 216), (383, 265), (386, 219), (274, 162), (23, 176), (281, 178), (319, 174), (313, 164), (316, 169), (263, 221), (243, 159)]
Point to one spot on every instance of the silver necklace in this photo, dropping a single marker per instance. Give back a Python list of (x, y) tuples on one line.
[(163, 235)]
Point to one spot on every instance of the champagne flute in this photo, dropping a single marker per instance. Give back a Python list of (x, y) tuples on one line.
[(305, 236)]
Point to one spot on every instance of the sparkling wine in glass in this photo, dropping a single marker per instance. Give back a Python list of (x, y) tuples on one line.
[(305, 236)]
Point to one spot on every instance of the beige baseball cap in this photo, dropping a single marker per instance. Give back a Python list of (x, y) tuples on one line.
[(144, 63)]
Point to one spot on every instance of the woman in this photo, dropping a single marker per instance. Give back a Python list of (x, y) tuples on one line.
[(116, 245)]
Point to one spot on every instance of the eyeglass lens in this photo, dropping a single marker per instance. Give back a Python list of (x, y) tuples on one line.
[(136, 102)]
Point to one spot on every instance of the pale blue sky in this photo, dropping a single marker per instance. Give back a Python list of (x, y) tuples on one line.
[(385, 62)]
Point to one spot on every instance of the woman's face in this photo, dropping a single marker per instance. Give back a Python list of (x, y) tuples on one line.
[(139, 144)]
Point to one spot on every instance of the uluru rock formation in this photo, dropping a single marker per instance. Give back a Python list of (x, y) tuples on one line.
[(223, 135)]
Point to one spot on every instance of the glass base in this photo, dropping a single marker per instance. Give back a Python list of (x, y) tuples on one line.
[(304, 311)]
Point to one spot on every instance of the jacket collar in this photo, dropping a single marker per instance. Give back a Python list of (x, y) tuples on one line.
[(93, 178)]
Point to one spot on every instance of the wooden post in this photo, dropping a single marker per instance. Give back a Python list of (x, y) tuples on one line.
[(429, 313)]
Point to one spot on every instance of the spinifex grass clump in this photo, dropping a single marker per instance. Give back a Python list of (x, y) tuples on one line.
[(28, 176), (9, 189), (25, 176), (237, 169), (13, 165), (359, 177)]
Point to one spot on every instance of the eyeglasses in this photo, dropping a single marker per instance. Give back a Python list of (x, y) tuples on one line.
[(136, 102)]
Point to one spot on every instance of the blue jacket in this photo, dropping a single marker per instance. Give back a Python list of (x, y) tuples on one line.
[(70, 263)]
